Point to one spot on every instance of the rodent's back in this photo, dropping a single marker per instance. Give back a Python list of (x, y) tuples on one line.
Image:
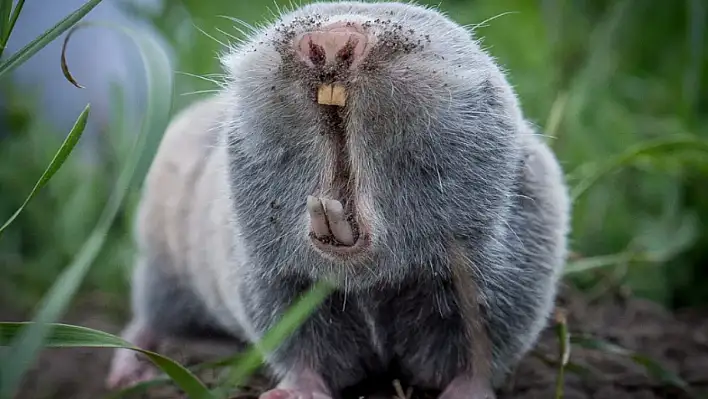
[(429, 154), (167, 186), (182, 224)]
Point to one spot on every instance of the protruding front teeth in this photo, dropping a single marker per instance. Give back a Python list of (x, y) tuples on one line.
[(332, 95)]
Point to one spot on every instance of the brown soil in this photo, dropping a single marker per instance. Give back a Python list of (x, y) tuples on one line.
[(679, 342)]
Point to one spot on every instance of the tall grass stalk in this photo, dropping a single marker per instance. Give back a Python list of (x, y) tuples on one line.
[(55, 164), (26, 345), (9, 17), (45, 38)]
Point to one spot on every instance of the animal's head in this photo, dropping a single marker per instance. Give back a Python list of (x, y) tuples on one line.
[(397, 124)]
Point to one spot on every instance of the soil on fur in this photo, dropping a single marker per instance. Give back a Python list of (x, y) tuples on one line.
[(679, 342)]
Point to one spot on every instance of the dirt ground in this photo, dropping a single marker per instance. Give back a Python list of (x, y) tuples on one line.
[(678, 341)]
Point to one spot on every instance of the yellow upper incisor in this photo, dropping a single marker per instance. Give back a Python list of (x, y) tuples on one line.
[(332, 95)]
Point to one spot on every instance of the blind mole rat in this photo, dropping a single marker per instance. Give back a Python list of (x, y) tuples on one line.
[(375, 145)]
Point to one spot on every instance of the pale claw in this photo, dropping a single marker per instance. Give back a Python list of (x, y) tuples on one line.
[(279, 393), (301, 384), (463, 387), (129, 367)]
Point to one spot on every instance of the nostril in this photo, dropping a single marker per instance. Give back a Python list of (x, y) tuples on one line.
[(317, 55), (346, 54)]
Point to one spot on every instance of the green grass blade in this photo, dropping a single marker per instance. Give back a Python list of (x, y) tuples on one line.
[(246, 363), (652, 367), (698, 13), (593, 173), (68, 336), (5, 11), (64, 66), (47, 37), (290, 321), (596, 262), (599, 64), (57, 161), (563, 352), (140, 387), (26, 346), (162, 380), (575, 368), (13, 20)]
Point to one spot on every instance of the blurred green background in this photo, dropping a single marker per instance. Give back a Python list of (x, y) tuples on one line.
[(599, 77)]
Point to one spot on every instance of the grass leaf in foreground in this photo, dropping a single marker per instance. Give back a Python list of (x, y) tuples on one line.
[(5, 11), (162, 380), (563, 352), (64, 66), (290, 321), (59, 158), (598, 262), (575, 368), (47, 37), (68, 336), (12, 21), (652, 367), (28, 342), (243, 365), (592, 173)]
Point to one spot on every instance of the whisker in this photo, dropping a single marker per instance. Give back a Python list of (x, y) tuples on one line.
[(237, 39), (204, 78), (208, 35), (240, 22), (190, 93), (486, 21)]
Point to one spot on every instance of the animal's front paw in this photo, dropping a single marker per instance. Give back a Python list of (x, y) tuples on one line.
[(128, 369), (463, 387), (280, 393), (472, 394)]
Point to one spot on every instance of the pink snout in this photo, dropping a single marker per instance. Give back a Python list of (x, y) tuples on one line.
[(343, 42)]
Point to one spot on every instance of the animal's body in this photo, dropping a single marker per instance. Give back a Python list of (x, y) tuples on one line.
[(426, 197)]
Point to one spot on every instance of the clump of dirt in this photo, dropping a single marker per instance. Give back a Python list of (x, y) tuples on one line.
[(679, 342)]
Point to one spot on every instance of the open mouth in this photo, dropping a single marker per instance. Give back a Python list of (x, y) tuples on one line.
[(334, 226), (334, 229)]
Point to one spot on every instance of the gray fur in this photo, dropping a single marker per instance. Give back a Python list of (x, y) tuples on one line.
[(442, 160)]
